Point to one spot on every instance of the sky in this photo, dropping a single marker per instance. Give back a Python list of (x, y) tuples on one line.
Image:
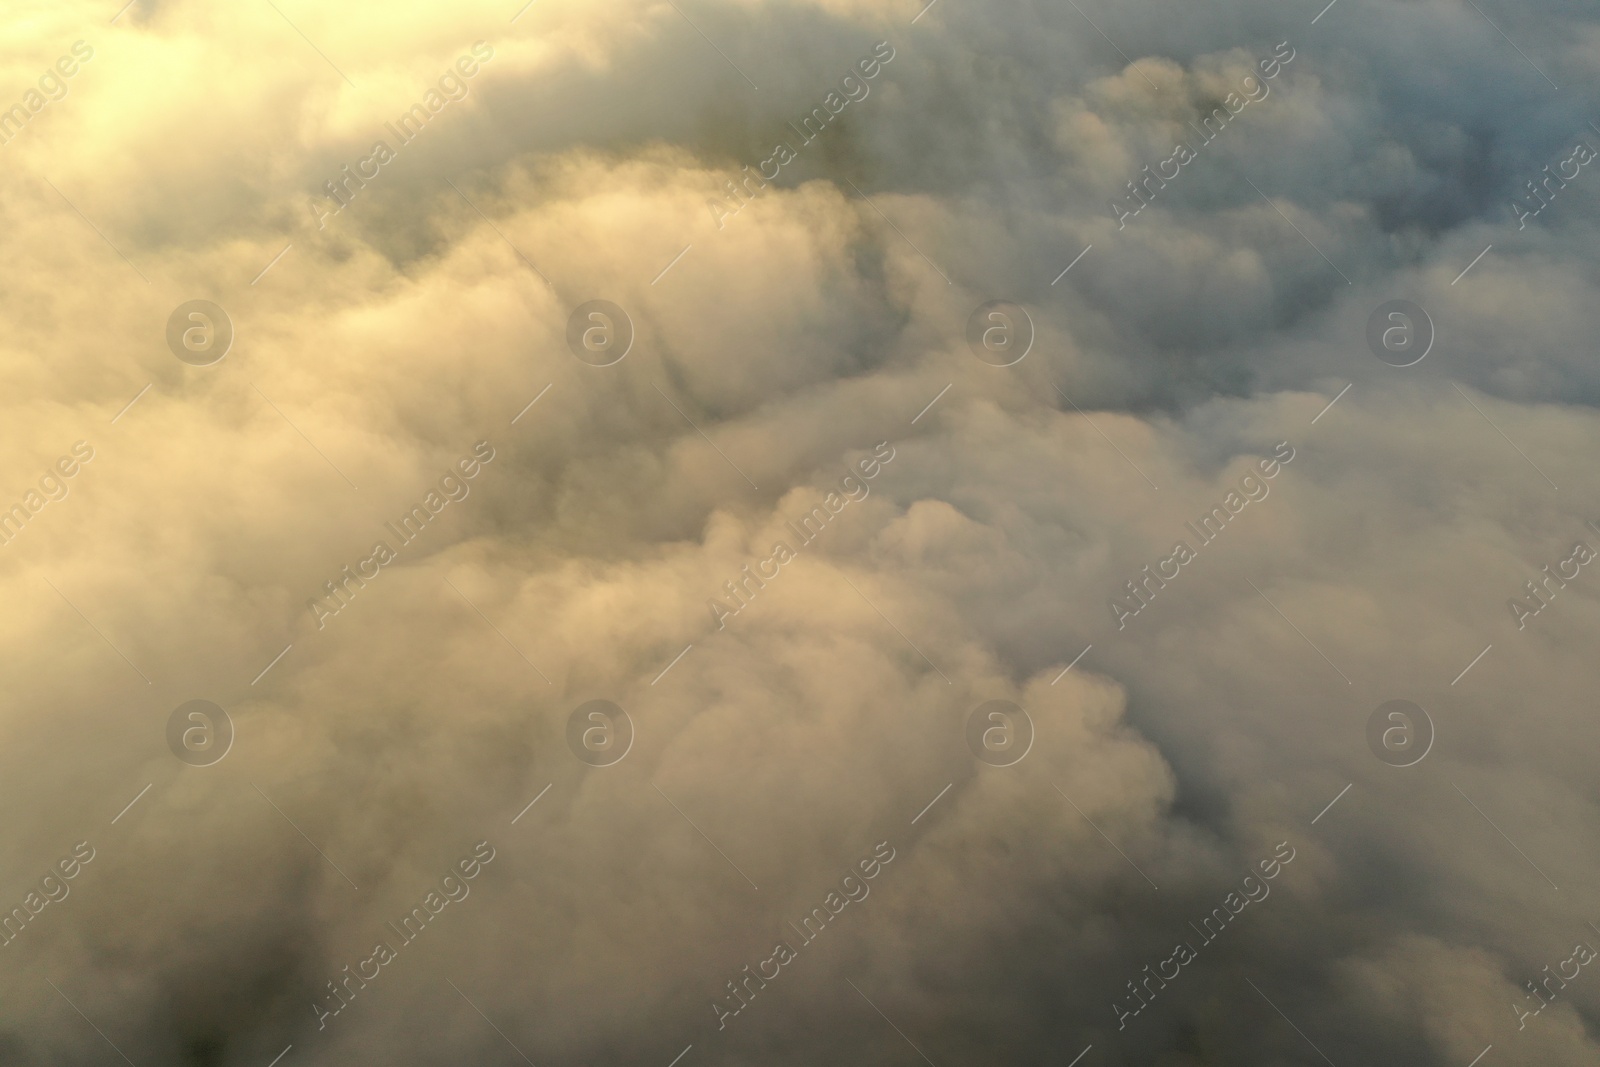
[(722, 532)]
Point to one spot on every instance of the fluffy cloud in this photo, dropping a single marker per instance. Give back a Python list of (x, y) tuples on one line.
[(772, 353)]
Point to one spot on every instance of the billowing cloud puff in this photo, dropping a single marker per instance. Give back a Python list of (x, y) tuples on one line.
[(642, 605)]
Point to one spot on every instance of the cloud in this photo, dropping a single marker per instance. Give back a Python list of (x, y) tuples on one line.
[(428, 321)]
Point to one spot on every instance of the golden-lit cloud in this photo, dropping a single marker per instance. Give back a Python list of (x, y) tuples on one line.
[(405, 528)]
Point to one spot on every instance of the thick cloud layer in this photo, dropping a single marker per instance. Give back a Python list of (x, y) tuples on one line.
[(801, 533)]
